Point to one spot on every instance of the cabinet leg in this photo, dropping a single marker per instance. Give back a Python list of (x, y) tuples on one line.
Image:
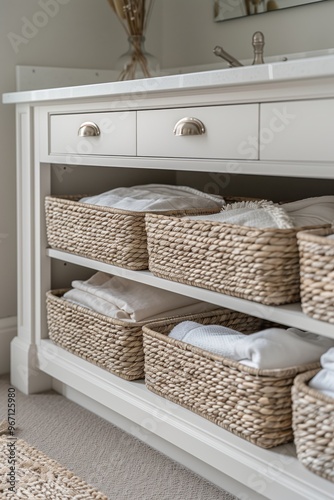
[(25, 374)]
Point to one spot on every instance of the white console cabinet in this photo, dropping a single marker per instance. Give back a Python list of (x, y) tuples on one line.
[(273, 120)]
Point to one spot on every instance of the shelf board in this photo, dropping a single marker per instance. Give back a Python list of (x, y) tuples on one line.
[(298, 169), (274, 473), (289, 315)]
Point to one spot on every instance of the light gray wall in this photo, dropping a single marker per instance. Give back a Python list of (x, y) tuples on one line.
[(189, 33), (85, 34), (69, 33)]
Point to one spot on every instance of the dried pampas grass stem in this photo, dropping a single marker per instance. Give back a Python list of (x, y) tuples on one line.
[(134, 16)]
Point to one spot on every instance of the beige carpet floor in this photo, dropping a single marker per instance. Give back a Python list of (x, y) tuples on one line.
[(104, 456), (36, 476)]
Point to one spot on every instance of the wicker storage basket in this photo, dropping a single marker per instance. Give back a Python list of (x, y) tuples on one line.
[(253, 404), (313, 427), (261, 265), (106, 234), (317, 273), (112, 344)]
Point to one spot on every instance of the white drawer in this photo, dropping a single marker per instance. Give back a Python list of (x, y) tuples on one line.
[(297, 130), (116, 134), (228, 132)]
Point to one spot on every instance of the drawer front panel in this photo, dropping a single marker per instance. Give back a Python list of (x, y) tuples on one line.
[(297, 130), (229, 131), (117, 134)]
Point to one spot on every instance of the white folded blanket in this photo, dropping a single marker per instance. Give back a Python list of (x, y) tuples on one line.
[(311, 211), (327, 360), (156, 198), (273, 348), (214, 338), (323, 381), (266, 214), (279, 348), (97, 304), (130, 301), (260, 214)]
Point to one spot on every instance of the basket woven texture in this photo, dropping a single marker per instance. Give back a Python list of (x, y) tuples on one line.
[(313, 427), (261, 265), (112, 344), (106, 234), (253, 404), (317, 273)]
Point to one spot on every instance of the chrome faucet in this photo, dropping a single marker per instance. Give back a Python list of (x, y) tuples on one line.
[(220, 52), (258, 44)]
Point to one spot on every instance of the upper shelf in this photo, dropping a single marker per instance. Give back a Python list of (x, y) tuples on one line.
[(291, 70)]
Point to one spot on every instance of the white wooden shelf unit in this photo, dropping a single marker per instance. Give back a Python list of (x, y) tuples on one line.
[(275, 120)]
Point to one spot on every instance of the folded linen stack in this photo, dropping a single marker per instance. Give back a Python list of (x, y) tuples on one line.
[(323, 381), (272, 348), (214, 338), (266, 214), (156, 198), (261, 214), (120, 298), (311, 211)]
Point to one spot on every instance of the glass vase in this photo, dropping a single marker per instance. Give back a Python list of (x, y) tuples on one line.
[(137, 62)]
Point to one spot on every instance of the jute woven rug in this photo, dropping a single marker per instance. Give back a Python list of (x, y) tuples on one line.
[(27, 473)]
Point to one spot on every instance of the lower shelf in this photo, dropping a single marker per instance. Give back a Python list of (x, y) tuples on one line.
[(289, 314), (272, 474)]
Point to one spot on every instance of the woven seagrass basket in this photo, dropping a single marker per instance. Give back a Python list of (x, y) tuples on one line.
[(313, 427), (253, 404), (106, 234), (261, 265), (317, 273), (111, 344)]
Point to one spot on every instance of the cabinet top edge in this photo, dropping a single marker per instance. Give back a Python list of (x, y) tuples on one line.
[(294, 70)]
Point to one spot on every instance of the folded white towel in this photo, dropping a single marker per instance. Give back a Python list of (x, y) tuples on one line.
[(327, 360), (260, 214), (279, 348), (127, 300), (156, 198), (214, 338), (311, 211), (97, 304), (272, 348), (264, 214), (323, 382)]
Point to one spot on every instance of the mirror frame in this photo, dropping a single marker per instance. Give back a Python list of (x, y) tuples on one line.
[(224, 10)]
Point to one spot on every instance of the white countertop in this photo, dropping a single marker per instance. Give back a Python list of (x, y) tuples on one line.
[(312, 67)]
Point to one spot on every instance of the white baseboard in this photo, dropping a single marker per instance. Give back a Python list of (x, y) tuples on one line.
[(8, 330)]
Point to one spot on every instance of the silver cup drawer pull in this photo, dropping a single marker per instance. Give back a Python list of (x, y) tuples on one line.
[(88, 129), (189, 126)]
